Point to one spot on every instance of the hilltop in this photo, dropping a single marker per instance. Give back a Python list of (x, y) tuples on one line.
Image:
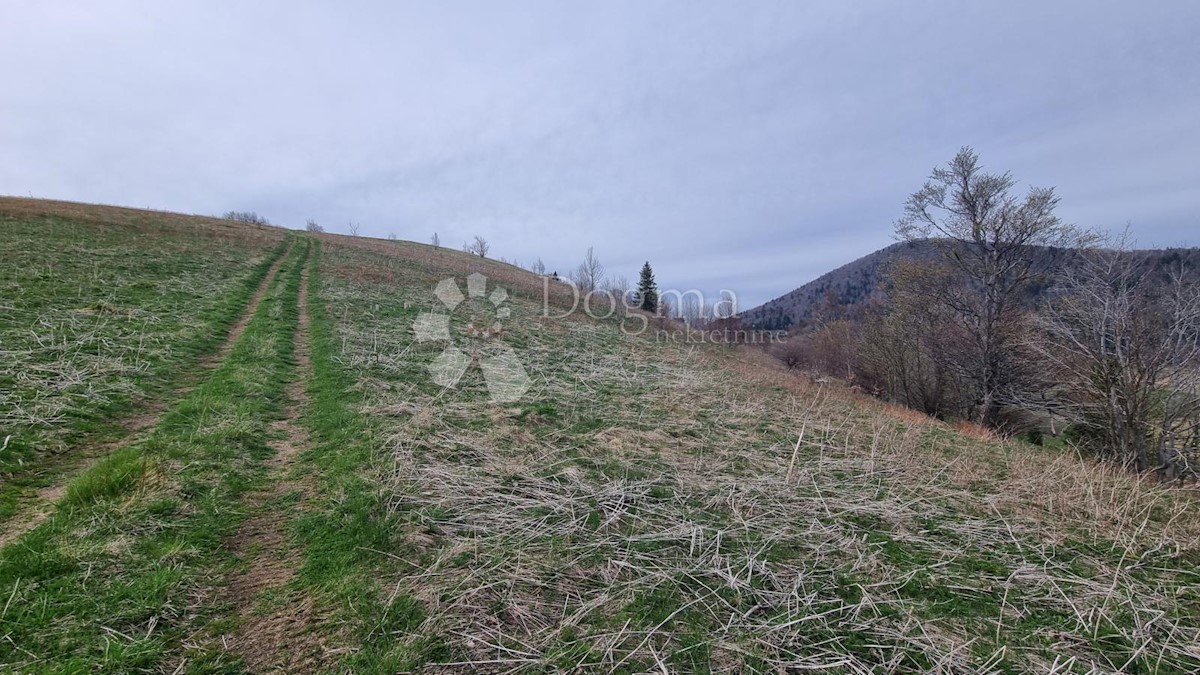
[(230, 448)]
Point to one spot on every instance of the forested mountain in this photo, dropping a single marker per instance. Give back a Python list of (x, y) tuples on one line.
[(848, 287)]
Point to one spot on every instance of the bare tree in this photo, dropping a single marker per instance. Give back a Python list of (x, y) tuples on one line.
[(984, 233), (249, 217), (691, 309), (477, 247), (618, 289), (539, 267), (906, 353), (618, 286), (590, 273), (312, 226), (436, 241), (833, 348), (1125, 354), (353, 226)]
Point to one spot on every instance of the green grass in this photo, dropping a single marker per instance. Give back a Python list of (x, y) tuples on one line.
[(348, 532), (95, 319), (113, 579)]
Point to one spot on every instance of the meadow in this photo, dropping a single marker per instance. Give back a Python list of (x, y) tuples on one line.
[(306, 497), (105, 310)]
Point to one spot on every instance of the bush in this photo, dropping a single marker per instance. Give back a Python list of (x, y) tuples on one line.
[(249, 217), (793, 353)]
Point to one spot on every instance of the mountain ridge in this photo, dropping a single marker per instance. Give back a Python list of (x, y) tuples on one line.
[(850, 286)]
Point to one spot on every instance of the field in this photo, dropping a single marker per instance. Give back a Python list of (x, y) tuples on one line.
[(104, 311), (226, 452)]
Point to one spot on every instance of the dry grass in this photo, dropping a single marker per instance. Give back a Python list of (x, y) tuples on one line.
[(102, 307), (661, 507), (131, 220), (646, 506)]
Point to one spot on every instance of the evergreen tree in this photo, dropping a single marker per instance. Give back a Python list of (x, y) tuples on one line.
[(647, 292)]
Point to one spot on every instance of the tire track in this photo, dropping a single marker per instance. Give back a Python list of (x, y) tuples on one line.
[(41, 505), (239, 326), (280, 640)]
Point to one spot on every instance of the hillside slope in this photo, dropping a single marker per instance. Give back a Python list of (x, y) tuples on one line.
[(577, 498), (102, 310), (850, 286)]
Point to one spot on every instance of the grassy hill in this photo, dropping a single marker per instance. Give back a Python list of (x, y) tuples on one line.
[(251, 466)]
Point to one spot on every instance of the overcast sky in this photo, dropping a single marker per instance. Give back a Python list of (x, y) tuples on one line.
[(743, 145)]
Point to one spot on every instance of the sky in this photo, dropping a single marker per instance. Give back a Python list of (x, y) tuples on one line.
[(746, 146)]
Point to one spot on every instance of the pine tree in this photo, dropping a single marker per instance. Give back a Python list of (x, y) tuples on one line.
[(647, 292)]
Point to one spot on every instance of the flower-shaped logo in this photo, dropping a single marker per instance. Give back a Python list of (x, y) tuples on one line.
[(506, 378)]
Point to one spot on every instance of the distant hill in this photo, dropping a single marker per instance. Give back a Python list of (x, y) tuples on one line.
[(854, 283), (849, 285)]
